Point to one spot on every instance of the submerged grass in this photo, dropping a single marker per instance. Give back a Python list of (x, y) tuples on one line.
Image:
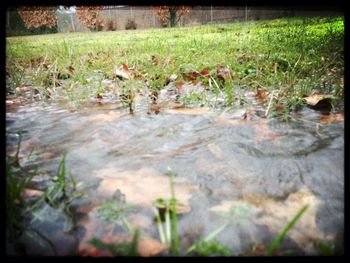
[(122, 249), (277, 241), (297, 56), (21, 210), (165, 211)]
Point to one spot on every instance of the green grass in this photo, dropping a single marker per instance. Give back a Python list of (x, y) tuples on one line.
[(167, 224), (295, 55), (20, 211), (14, 201), (278, 240), (122, 249), (169, 234)]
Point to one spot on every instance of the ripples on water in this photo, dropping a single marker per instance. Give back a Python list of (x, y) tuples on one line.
[(220, 162)]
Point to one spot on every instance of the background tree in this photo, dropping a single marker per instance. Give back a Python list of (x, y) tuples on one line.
[(88, 15), (38, 16), (170, 13)]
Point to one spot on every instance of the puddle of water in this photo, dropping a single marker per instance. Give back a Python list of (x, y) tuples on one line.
[(220, 160)]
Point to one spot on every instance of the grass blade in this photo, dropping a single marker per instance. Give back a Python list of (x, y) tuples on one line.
[(160, 226), (277, 241), (209, 237), (168, 227)]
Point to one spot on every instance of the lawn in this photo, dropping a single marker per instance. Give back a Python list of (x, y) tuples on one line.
[(296, 57)]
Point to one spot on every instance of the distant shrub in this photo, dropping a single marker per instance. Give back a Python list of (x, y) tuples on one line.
[(130, 24), (193, 23), (100, 23), (112, 25)]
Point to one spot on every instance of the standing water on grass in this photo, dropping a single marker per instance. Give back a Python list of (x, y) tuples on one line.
[(266, 168), (222, 139)]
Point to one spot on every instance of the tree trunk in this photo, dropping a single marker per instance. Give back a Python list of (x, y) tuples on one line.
[(172, 17), (8, 19)]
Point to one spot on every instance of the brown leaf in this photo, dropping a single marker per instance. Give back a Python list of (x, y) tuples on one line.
[(99, 96), (245, 115), (263, 132), (204, 73), (314, 99), (125, 67), (224, 73), (179, 84), (85, 209), (259, 250), (172, 78), (324, 119), (260, 94), (155, 108), (155, 59), (174, 105), (154, 96), (123, 72), (93, 252), (148, 247), (71, 70), (319, 102), (31, 193), (190, 76)]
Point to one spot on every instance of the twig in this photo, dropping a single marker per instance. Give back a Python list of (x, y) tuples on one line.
[(268, 107)]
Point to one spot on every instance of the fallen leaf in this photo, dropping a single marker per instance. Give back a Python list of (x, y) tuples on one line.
[(259, 250), (125, 67), (314, 99), (85, 209), (190, 76), (224, 73), (31, 193), (188, 111), (154, 96), (260, 94), (275, 214), (172, 78), (179, 84), (93, 252), (131, 183), (37, 60), (279, 107), (155, 59), (263, 132), (71, 70), (243, 58), (156, 108), (148, 247), (324, 119), (318, 101), (123, 72), (99, 96), (245, 115), (174, 105), (204, 73)]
